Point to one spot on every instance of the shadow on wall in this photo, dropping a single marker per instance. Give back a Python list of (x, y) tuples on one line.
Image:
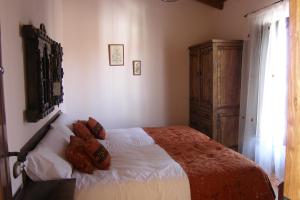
[(176, 84), (152, 31)]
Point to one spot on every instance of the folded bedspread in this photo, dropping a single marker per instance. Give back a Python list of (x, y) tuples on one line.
[(214, 171)]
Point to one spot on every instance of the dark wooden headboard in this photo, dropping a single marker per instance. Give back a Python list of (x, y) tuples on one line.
[(36, 138)]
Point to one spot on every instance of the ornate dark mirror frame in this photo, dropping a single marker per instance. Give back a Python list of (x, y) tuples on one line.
[(44, 73)]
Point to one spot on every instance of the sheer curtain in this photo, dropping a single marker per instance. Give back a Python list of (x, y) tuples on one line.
[(264, 89)]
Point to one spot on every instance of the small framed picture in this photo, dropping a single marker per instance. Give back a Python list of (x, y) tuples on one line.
[(137, 67), (116, 54)]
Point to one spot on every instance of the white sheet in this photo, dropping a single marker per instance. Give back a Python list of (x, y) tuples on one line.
[(140, 170), (133, 136)]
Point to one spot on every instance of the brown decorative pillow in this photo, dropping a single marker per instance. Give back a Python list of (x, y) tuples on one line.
[(96, 129), (76, 155), (98, 154), (82, 131), (84, 122)]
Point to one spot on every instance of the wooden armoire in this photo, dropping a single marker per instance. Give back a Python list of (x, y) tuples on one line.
[(215, 82)]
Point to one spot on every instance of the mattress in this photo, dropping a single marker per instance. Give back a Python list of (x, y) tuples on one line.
[(139, 169)]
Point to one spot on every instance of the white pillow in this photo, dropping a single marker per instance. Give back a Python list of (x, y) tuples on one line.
[(64, 124), (47, 161), (43, 164), (56, 141)]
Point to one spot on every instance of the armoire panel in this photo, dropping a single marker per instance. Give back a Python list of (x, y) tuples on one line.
[(194, 76), (226, 124), (206, 76), (229, 76)]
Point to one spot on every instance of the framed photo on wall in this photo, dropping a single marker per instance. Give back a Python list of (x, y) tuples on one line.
[(116, 54), (137, 67)]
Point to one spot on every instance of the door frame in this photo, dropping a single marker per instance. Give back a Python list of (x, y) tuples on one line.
[(5, 182)]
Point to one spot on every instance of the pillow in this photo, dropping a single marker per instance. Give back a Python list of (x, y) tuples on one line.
[(64, 124), (47, 160), (84, 122), (75, 154), (96, 129), (82, 131), (43, 164), (55, 141), (98, 154)]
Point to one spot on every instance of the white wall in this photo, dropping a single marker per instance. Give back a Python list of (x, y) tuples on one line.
[(230, 22), (14, 13), (157, 33)]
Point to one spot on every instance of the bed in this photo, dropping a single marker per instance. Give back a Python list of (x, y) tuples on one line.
[(168, 163)]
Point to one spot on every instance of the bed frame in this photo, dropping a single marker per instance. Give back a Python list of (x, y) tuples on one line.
[(29, 146), (36, 138)]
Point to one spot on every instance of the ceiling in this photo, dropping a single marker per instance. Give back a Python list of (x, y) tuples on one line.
[(214, 3)]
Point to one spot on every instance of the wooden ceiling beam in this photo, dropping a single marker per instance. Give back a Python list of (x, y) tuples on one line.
[(214, 3)]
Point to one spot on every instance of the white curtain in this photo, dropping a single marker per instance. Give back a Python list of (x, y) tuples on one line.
[(264, 89)]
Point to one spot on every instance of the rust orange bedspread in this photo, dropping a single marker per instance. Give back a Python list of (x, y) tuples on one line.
[(214, 171)]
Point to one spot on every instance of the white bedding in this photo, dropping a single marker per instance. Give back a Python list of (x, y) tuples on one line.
[(140, 170), (119, 139)]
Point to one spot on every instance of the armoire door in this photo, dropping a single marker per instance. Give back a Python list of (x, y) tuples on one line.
[(228, 76), (206, 91)]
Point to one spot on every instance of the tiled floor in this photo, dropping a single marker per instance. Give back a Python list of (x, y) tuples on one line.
[(275, 183)]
